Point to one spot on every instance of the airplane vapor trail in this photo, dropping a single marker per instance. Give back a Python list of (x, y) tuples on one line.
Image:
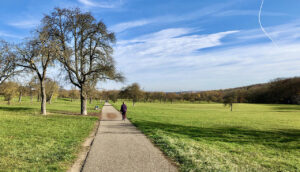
[(262, 28)]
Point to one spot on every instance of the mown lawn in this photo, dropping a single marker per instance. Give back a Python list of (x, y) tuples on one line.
[(32, 142), (208, 137)]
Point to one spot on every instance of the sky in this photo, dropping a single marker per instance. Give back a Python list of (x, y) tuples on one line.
[(182, 45)]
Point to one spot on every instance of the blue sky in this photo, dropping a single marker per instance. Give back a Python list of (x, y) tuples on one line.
[(178, 45)]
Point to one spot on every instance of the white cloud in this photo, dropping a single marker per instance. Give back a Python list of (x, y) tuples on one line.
[(168, 43), (246, 12), (5, 34), (25, 24), (102, 4), (206, 11), (128, 25), (175, 59), (280, 33)]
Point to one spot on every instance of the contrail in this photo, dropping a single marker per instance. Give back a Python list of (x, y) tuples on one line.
[(262, 28)]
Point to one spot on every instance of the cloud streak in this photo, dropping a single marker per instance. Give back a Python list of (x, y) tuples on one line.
[(103, 4), (8, 35), (25, 24), (206, 11), (128, 25)]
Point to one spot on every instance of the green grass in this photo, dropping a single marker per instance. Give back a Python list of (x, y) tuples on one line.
[(208, 137), (32, 142)]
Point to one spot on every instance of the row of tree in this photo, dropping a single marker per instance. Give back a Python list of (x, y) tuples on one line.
[(285, 91), (70, 39), (11, 89), (281, 91)]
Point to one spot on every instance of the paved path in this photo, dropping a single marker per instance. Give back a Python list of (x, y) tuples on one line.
[(120, 147)]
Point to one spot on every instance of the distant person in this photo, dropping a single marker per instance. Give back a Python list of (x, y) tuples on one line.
[(123, 111)]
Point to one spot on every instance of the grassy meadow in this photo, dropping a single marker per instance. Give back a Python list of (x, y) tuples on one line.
[(208, 137), (32, 142)]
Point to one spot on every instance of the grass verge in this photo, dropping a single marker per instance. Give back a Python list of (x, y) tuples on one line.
[(32, 142), (208, 137)]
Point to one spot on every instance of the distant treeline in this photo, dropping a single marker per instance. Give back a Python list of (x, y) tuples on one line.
[(279, 91)]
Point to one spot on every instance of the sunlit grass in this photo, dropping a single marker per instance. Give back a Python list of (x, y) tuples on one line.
[(32, 142), (208, 137)]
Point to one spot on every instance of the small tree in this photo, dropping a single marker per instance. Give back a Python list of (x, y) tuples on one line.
[(132, 92), (9, 90), (229, 99), (51, 89), (7, 61), (63, 93), (33, 88), (113, 95), (91, 91), (74, 94), (171, 97), (21, 91)]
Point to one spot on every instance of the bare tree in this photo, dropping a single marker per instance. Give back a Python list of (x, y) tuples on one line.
[(36, 55), (86, 51), (7, 61)]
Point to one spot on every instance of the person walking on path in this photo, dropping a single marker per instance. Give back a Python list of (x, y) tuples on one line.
[(123, 111)]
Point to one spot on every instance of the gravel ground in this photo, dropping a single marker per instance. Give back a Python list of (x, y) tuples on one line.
[(119, 146)]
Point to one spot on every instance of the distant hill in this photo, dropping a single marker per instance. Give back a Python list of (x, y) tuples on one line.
[(281, 90)]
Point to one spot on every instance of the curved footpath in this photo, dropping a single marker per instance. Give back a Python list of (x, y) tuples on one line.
[(120, 147)]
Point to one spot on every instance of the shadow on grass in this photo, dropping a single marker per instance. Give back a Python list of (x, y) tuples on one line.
[(289, 108), (285, 107), (75, 113), (280, 139), (15, 109)]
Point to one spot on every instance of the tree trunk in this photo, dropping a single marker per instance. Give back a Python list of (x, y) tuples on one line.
[(83, 101), (38, 97), (231, 107), (20, 97), (50, 99), (31, 96), (43, 98), (90, 100)]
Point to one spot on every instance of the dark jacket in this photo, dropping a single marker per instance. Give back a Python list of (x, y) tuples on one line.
[(123, 108)]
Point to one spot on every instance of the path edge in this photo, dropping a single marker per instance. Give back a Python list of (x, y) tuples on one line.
[(79, 163)]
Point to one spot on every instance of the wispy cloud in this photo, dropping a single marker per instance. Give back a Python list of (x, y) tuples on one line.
[(102, 4), (228, 13), (128, 25), (178, 57), (25, 24), (284, 33), (165, 46), (9, 35), (204, 12)]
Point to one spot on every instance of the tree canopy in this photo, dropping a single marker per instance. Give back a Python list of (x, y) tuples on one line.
[(86, 48)]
